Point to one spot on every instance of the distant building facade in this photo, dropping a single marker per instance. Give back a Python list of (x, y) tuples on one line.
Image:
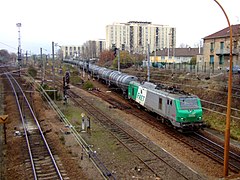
[(90, 49), (93, 48), (217, 47), (177, 55), (71, 51), (134, 36)]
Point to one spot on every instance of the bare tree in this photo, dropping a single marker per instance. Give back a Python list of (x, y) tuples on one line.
[(4, 55)]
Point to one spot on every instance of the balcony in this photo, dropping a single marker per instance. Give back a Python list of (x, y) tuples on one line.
[(226, 51)]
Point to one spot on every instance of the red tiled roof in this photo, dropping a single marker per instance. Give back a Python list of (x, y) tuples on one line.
[(225, 32)]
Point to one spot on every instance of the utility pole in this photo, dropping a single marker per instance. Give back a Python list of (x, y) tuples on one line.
[(44, 69), (53, 69), (26, 57), (155, 49), (148, 63), (118, 54), (19, 48), (41, 65), (168, 46), (83, 68)]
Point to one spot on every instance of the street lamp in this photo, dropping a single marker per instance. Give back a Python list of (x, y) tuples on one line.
[(228, 117)]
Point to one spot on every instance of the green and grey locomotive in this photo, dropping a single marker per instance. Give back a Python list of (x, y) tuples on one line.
[(182, 110)]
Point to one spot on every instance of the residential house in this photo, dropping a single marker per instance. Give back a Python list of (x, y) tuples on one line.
[(176, 55), (217, 47)]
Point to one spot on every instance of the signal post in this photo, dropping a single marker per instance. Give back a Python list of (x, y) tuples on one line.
[(66, 86)]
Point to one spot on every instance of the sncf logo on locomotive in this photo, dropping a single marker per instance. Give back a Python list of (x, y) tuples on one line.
[(141, 95)]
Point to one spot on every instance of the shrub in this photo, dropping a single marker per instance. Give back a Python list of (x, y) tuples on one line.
[(87, 85), (32, 71)]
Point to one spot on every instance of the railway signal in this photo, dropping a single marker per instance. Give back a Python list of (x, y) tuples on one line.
[(66, 81), (115, 51), (67, 77)]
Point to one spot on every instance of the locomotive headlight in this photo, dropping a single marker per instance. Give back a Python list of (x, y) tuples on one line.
[(200, 118), (182, 119)]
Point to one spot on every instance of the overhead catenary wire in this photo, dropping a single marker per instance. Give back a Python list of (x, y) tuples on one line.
[(8, 45)]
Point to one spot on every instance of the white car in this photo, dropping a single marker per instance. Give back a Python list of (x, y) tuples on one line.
[(235, 69)]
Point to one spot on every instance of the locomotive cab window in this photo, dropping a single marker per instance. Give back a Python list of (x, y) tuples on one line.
[(132, 91), (188, 103), (160, 103)]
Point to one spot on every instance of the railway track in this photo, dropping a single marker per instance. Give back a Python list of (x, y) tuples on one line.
[(105, 173), (41, 162), (195, 140), (152, 157), (216, 151)]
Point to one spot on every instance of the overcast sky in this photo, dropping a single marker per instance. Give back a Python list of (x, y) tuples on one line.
[(73, 22)]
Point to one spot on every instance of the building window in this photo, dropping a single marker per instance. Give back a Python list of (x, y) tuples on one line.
[(211, 59), (221, 45), (212, 47), (235, 43), (66, 48), (221, 59), (160, 103)]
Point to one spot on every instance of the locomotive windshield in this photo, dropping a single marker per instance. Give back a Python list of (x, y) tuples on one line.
[(188, 103)]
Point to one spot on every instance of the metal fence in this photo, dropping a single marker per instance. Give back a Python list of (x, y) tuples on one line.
[(194, 68)]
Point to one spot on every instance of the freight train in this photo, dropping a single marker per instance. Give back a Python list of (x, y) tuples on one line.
[(181, 110)]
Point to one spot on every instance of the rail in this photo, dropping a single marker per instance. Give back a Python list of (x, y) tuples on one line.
[(86, 147), (9, 76)]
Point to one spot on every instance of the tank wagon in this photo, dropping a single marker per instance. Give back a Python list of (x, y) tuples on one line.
[(181, 110)]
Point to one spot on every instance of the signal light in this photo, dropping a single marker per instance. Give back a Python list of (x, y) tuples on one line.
[(67, 77), (115, 52)]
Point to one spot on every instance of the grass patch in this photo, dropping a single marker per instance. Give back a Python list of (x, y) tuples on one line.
[(218, 123), (87, 85)]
